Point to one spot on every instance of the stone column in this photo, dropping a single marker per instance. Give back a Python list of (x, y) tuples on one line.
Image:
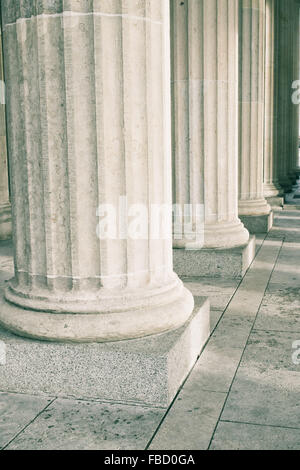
[(205, 104), (284, 97), (88, 86), (5, 208), (204, 64), (295, 76), (272, 188), (253, 208)]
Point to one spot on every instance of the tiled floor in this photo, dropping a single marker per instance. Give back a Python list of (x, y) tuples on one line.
[(244, 392)]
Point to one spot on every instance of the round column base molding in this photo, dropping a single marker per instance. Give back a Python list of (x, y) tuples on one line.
[(272, 190), (254, 207), (188, 244), (225, 235), (149, 317)]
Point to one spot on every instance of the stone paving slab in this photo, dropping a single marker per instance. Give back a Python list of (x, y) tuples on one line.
[(217, 365), (280, 310), (212, 376), (191, 422), (237, 436), (215, 316), (86, 425), (218, 290), (266, 389), (263, 387), (287, 270), (16, 412)]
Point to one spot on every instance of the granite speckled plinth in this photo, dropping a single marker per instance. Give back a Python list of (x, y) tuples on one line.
[(258, 223), (148, 371), (208, 262), (276, 202)]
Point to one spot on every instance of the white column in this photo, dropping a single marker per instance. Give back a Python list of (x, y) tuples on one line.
[(271, 183), (205, 102), (251, 108), (89, 104), (5, 208)]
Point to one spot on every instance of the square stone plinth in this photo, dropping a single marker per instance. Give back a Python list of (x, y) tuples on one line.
[(227, 263), (258, 223), (145, 371), (276, 202)]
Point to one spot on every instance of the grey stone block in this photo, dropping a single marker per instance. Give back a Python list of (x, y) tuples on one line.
[(258, 223), (144, 371), (276, 203), (291, 207), (227, 263)]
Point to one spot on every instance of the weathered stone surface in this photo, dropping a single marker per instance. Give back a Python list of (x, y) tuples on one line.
[(272, 188), (5, 207), (17, 411), (285, 104), (251, 108), (266, 388), (276, 202), (190, 423), (227, 263), (258, 223), (88, 425), (204, 88), (88, 101), (240, 436), (148, 370)]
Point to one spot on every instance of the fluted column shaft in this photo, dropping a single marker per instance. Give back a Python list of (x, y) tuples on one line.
[(89, 104), (295, 76), (205, 98), (251, 107), (271, 183), (284, 95), (5, 209)]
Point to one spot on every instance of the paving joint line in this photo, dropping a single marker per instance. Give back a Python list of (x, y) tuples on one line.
[(258, 424), (28, 424), (246, 344), (211, 334)]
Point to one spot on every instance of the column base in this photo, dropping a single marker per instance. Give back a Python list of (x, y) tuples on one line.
[(145, 371), (113, 318), (293, 177), (272, 190), (286, 184), (258, 223), (5, 222), (224, 235), (212, 262), (276, 203), (253, 207)]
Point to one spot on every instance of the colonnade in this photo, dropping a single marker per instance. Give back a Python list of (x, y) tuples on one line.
[(114, 99)]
